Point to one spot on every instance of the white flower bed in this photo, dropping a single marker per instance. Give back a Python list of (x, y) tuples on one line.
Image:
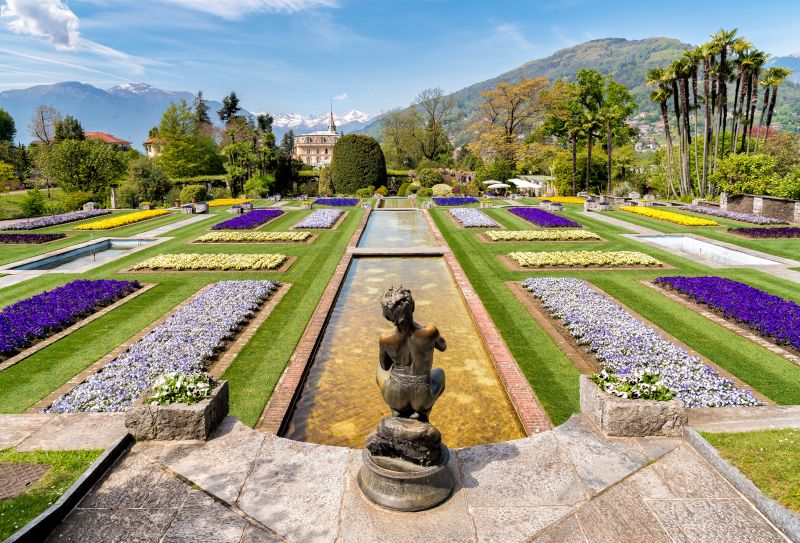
[(251, 237), (624, 344), (196, 261), (184, 343), (472, 218), (609, 259), (321, 218), (541, 235)]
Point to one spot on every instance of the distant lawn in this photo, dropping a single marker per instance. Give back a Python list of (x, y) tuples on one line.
[(551, 374), (770, 458), (66, 467), (10, 203)]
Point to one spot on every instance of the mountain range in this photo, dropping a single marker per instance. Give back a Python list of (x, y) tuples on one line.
[(130, 110)]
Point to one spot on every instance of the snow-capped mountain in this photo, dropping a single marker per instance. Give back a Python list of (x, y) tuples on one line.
[(348, 122)]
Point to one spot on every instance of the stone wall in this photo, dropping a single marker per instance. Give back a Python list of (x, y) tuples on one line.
[(768, 206)]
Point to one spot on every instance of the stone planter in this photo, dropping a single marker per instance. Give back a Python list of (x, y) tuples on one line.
[(631, 418), (177, 421)]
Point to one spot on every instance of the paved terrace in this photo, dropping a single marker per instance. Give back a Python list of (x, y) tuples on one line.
[(564, 485)]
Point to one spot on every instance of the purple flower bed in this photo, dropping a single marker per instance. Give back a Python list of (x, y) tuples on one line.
[(340, 202), (732, 215), (30, 238), (189, 339), (543, 218), (774, 233), (53, 220), (769, 315), (30, 320), (455, 201), (251, 219)]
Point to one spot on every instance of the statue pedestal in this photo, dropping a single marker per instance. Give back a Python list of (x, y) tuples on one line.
[(403, 486)]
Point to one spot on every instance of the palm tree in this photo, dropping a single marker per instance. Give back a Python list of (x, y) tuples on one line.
[(723, 40), (592, 124), (778, 76), (660, 95), (765, 82), (708, 54), (759, 58), (691, 60)]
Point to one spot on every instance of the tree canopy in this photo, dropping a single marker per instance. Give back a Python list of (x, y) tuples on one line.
[(8, 130), (358, 162)]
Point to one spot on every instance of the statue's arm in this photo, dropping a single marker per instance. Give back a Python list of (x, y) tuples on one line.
[(440, 343), (384, 361)]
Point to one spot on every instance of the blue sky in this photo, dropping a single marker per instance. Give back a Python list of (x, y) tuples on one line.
[(296, 55)]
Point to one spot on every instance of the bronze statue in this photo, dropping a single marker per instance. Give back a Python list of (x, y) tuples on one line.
[(408, 385)]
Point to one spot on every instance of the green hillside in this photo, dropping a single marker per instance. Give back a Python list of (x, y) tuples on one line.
[(627, 60)]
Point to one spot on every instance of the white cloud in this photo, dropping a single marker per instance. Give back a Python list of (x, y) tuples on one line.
[(340, 97), (235, 9)]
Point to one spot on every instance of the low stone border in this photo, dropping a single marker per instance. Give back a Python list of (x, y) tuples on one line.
[(785, 520), (284, 267), (733, 326), (39, 528), (276, 413), (513, 265), (19, 357), (485, 239), (530, 412), (309, 239), (336, 225)]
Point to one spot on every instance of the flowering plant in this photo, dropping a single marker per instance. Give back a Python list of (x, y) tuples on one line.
[(624, 344), (564, 199), (321, 218), (251, 219), (743, 217), (472, 218), (195, 261), (455, 201), (541, 235), (340, 202), (251, 237), (669, 216), (636, 385), (177, 387), (219, 202), (185, 343), (774, 233), (122, 220), (30, 238), (543, 218), (52, 220), (612, 259)]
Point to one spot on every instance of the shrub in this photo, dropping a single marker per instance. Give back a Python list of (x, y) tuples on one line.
[(425, 192), (366, 192), (383, 191), (745, 174), (403, 190), (413, 188), (258, 187), (473, 189), (325, 187), (219, 193), (788, 187), (196, 192), (358, 162), (622, 189), (429, 177), (441, 189), (73, 201), (33, 204)]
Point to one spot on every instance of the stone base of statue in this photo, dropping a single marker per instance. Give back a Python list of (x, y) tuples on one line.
[(405, 466)]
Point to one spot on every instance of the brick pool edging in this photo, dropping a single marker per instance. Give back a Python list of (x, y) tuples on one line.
[(531, 414)]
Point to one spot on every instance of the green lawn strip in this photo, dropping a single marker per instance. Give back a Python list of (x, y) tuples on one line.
[(65, 468), (769, 458), (10, 203)]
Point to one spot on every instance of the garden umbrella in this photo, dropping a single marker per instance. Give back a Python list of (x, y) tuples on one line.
[(499, 186)]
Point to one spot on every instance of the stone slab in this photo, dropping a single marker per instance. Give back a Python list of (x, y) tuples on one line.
[(113, 526), (364, 522), (514, 524), (688, 475), (220, 465), (126, 486), (745, 419), (211, 522), (599, 461), (523, 473), (14, 429), (253, 534), (713, 520), (76, 431), (567, 531), (292, 483)]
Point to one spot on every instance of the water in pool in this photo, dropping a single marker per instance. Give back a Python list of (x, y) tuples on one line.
[(397, 229)]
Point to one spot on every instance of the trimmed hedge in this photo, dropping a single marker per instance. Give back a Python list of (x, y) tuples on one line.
[(358, 162)]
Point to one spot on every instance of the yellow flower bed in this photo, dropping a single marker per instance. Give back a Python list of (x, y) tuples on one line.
[(194, 261), (122, 220), (254, 237), (610, 259), (541, 235), (564, 199), (228, 202), (677, 218)]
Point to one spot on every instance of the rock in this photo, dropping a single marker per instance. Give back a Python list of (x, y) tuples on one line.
[(406, 439), (631, 418)]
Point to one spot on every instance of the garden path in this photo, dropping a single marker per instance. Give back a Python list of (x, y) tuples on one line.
[(567, 484), (70, 432), (16, 278), (745, 419)]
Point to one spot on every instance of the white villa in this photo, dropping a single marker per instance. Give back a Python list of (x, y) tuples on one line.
[(316, 148)]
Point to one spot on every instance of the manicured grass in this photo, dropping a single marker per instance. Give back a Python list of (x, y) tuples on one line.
[(65, 468), (258, 366), (10, 203), (550, 373), (769, 458)]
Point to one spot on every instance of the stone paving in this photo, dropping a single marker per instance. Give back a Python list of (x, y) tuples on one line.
[(567, 484), (68, 432)]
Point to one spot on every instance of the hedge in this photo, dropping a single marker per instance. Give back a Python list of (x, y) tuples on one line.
[(358, 162)]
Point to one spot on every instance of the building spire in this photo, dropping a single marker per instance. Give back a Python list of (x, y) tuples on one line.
[(331, 123)]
